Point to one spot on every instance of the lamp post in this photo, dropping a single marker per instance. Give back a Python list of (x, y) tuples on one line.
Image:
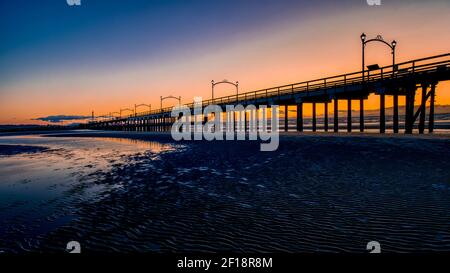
[(112, 114), (142, 104), (236, 85), (392, 46), (125, 109), (170, 97), (378, 38)]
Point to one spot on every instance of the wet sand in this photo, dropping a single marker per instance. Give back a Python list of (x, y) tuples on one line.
[(7, 150), (315, 193)]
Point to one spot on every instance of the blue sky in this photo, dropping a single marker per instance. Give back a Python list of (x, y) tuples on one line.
[(47, 33)]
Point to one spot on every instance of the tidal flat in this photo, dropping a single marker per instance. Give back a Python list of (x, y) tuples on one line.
[(143, 192)]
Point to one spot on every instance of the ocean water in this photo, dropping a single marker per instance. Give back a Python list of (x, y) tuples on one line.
[(314, 194)]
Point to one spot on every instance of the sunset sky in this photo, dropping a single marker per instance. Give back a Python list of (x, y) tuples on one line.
[(57, 59)]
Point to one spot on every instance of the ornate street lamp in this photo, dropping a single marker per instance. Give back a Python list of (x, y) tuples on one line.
[(378, 38), (142, 104), (125, 109), (226, 82), (170, 97)]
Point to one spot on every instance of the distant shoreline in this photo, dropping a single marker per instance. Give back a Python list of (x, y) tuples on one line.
[(166, 136)]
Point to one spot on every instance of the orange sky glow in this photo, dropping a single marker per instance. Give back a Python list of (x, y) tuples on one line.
[(283, 52)]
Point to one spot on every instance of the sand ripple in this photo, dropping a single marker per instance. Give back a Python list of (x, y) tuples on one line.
[(313, 194)]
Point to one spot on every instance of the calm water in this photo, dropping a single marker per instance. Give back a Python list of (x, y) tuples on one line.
[(38, 189), (329, 194)]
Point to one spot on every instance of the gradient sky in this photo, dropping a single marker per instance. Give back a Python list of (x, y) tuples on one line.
[(57, 59)]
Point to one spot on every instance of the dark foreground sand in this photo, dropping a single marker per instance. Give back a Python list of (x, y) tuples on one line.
[(315, 193)]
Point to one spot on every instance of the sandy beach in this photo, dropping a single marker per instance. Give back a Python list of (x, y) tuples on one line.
[(316, 193)]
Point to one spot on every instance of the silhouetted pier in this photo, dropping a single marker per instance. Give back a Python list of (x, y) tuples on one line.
[(411, 79)]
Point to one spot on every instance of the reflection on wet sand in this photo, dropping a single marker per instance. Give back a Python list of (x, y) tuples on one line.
[(44, 178), (154, 146), (315, 193)]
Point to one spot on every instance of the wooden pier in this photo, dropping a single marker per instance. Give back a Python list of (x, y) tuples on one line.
[(412, 79)]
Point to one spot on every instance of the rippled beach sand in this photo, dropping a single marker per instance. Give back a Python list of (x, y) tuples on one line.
[(315, 193)]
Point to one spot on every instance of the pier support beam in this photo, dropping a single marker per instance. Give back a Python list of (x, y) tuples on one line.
[(336, 116), (246, 121), (382, 114), (361, 115), (286, 121), (395, 117), (169, 123), (326, 117), (300, 117), (423, 109), (431, 115), (314, 117), (409, 109), (349, 115)]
